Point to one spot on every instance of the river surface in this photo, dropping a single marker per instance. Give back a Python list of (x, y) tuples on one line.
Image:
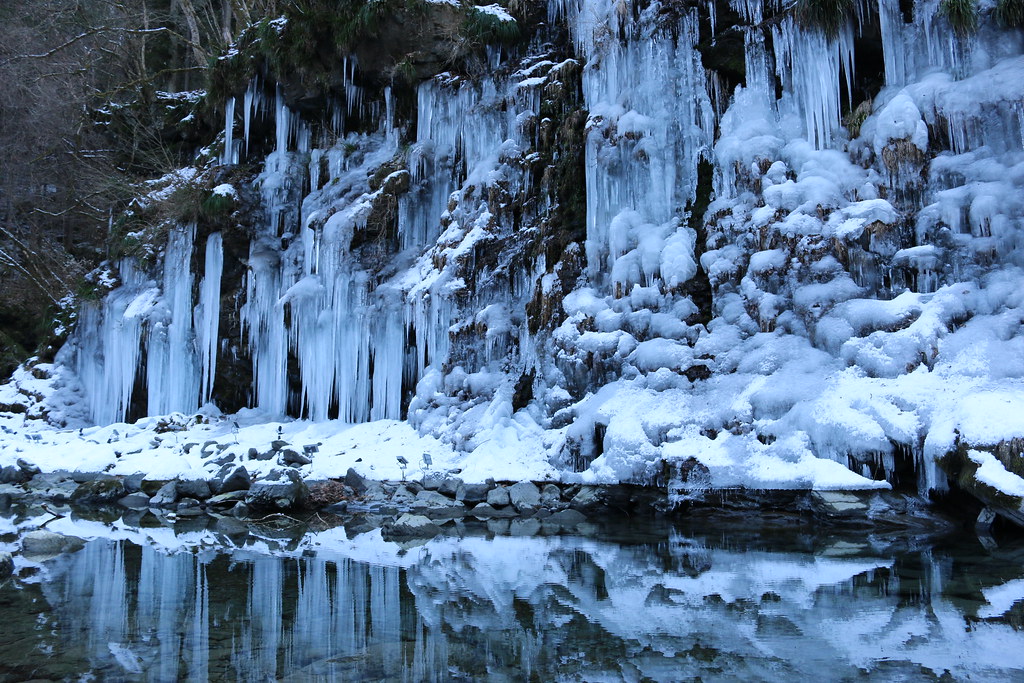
[(507, 602)]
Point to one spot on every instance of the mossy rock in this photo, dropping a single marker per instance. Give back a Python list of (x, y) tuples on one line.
[(99, 491)]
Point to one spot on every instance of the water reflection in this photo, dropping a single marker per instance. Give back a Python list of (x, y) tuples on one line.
[(678, 604)]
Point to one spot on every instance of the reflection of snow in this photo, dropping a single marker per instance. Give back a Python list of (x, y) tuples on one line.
[(357, 600)]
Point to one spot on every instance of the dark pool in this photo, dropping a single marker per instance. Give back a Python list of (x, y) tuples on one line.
[(506, 602)]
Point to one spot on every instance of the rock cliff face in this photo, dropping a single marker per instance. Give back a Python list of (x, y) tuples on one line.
[(627, 235)]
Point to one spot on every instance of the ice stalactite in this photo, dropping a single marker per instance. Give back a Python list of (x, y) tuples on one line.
[(207, 315), (231, 155)]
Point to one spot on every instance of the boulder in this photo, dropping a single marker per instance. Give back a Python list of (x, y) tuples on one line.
[(449, 486), (189, 507), (43, 543), (550, 496), (166, 497), (280, 490), (355, 481), (498, 497), (278, 444), (28, 468), (432, 481), (237, 479), (524, 496), (194, 488), (433, 504), (587, 498), (12, 475), (105, 491), (290, 457), (228, 498), (410, 526), (133, 482), (486, 511), (472, 493), (524, 527)]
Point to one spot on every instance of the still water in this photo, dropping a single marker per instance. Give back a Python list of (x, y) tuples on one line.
[(644, 601)]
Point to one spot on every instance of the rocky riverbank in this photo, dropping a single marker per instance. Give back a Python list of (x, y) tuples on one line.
[(405, 510)]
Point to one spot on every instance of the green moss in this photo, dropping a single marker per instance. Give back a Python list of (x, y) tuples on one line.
[(483, 28), (962, 15), (827, 16)]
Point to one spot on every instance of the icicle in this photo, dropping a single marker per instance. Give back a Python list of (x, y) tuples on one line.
[(230, 155), (208, 313)]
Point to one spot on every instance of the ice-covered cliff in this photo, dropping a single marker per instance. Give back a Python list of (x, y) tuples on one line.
[(705, 244)]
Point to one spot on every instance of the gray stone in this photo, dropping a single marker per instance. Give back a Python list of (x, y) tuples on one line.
[(550, 496), (241, 511), (498, 497), (133, 482), (278, 444), (290, 457), (194, 488), (228, 498), (253, 454), (223, 460), (355, 481), (189, 507), (410, 526), (12, 475), (402, 494), (486, 511), (28, 468), (587, 498), (472, 493), (432, 481), (281, 490), (450, 486), (47, 543), (524, 496), (237, 479), (566, 518), (6, 565), (135, 501), (435, 505), (105, 491), (166, 497)]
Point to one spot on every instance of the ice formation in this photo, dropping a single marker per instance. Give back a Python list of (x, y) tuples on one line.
[(865, 278)]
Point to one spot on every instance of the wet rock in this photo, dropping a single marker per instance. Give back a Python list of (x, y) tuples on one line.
[(151, 486), (235, 530), (486, 511), (227, 499), (42, 543), (436, 505), (241, 511), (189, 507), (550, 496), (280, 490), (355, 481), (106, 491), (134, 501), (237, 479), (133, 482), (498, 497), (589, 497), (194, 488), (6, 565), (410, 526), (524, 496), (449, 486), (166, 496), (566, 518), (290, 457), (472, 493)]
